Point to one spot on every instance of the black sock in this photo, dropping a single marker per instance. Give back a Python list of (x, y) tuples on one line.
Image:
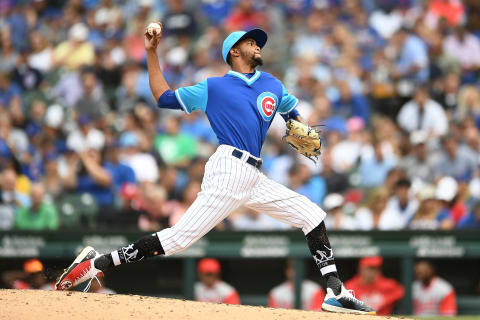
[(146, 247), (322, 253)]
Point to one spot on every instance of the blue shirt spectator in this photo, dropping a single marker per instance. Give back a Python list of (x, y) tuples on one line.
[(471, 220), (121, 174), (374, 170), (413, 61)]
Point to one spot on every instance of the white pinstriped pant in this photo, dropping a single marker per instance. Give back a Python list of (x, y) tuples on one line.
[(229, 183)]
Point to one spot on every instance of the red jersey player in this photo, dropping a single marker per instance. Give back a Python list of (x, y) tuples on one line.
[(211, 288), (372, 287)]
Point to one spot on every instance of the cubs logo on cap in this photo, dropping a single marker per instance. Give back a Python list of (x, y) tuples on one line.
[(266, 104)]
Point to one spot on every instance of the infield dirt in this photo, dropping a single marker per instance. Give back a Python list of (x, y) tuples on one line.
[(53, 305)]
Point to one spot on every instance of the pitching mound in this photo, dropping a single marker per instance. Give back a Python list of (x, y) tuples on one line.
[(53, 305)]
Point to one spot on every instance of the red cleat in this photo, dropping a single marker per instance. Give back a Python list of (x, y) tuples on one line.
[(81, 270)]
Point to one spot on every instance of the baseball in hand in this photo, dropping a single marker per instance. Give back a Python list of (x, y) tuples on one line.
[(154, 26)]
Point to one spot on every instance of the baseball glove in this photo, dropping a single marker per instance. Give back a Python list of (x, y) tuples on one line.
[(304, 139)]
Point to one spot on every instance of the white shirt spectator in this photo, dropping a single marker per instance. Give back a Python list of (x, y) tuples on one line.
[(389, 220), (467, 53), (19, 139), (386, 24), (345, 155), (434, 119), (41, 60), (406, 213), (79, 142), (144, 166)]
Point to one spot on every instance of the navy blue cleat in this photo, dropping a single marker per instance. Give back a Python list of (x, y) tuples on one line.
[(345, 302)]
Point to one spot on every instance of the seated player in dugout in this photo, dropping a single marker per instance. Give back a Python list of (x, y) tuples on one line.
[(240, 107), (211, 288), (283, 295), (372, 287), (31, 277)]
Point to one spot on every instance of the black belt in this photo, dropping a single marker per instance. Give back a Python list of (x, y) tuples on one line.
[(251, 160)]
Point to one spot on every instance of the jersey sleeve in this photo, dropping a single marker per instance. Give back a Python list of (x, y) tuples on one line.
[(193, 97), (448, 305), (288, 102), (232, 298)]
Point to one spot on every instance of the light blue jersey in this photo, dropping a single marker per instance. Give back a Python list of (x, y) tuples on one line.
[(240, 108)]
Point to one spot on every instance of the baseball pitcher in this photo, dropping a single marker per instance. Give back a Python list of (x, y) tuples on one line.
[(240, 107)]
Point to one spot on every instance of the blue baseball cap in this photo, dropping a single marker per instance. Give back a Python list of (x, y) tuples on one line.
[(258, 35)]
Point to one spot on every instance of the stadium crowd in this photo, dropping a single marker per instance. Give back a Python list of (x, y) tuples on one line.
[(395, 84)]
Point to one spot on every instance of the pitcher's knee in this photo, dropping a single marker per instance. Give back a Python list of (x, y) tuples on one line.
[(174, 241), (312, 218)]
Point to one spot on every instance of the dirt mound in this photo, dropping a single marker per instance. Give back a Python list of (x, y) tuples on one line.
[(53, 305)]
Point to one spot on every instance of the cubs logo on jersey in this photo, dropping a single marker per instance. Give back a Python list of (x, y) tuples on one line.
[(266, 104)]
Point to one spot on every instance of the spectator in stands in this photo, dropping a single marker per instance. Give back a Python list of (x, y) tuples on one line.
[(464, 48), (51, 178), (302, 181), (418, 164), (245, 16), (15, 138), (76, 51), (154, 216), (425, 217), (27, 77), (177, 209), (179, 21), (403, 202), (142, 163), (40, 215), (87, 173), (211, 288), (472, 220), (86, 136), (451, 10), (432, 295), (376, 215), (10, 196), (458, 161), (174, 146), (9, 91), (452, 210), (121, 174), (336, 218), (8, 54), (41, 55), (336, 182), (92, 103), (412, 62), (350, 104), (370, 285), (283, 295), (31, 277), (386, 20), (468, 105), (423, 113), (373, 170)]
